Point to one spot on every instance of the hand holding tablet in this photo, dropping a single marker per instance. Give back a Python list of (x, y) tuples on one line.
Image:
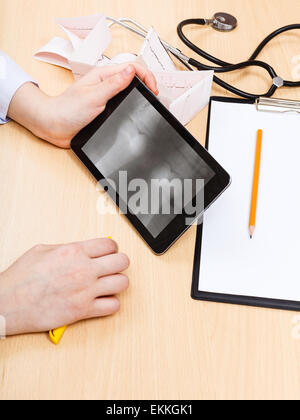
[(160, 177)]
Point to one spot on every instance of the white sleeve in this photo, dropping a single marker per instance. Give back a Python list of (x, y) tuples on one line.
[(12, 77)]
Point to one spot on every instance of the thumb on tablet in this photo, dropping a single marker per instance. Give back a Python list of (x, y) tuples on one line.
[(116, 84)]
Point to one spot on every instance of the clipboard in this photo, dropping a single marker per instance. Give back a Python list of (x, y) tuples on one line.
[(219, 292)]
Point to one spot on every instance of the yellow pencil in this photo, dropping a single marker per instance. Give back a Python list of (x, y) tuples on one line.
[(56, 335), (253, 212)]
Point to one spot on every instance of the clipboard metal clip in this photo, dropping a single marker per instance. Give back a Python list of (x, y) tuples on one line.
[(277, 105)]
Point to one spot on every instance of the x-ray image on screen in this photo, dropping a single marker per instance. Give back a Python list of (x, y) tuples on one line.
[(138, 140)]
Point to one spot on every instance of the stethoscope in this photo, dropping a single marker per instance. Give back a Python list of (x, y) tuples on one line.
[(221, 22)]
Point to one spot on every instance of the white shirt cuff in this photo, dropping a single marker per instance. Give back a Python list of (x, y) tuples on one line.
[(12, 77)]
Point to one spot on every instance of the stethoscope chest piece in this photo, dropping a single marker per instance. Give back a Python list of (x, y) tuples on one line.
[(223, 22)]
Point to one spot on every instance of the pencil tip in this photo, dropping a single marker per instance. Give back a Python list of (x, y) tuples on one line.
[(251, 237)]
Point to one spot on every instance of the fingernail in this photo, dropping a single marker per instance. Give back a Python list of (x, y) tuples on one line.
[(128, 71)]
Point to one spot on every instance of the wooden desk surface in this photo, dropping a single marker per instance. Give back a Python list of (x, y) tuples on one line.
[(162, 345)]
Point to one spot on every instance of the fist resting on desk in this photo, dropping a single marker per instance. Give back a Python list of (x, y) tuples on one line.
[(51, 286)]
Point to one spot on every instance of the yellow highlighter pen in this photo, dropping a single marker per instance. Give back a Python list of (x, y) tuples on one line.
[(57, 334)]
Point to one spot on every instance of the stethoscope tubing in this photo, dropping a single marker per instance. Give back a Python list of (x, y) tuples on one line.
[(222, 66), (225, 67)]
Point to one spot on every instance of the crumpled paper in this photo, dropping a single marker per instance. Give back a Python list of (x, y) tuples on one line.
[(184, 93)]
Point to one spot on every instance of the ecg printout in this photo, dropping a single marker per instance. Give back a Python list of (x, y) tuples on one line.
[(184, 93)]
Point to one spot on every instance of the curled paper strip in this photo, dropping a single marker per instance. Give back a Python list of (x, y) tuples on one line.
[(184, 93)]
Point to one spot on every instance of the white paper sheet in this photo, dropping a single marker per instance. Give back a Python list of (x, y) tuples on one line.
[(268, 265)]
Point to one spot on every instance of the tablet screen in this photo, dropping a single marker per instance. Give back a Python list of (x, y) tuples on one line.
[(138, 143)]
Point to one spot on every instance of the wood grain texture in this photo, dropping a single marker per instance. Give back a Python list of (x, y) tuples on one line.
[(162, 345)]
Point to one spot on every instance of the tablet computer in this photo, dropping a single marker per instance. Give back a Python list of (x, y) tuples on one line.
[(154, 170)]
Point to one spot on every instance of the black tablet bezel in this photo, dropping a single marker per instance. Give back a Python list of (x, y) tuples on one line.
[(178, 225)]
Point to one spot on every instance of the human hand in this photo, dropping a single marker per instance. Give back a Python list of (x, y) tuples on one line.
[(58, 119), (51, 286)]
